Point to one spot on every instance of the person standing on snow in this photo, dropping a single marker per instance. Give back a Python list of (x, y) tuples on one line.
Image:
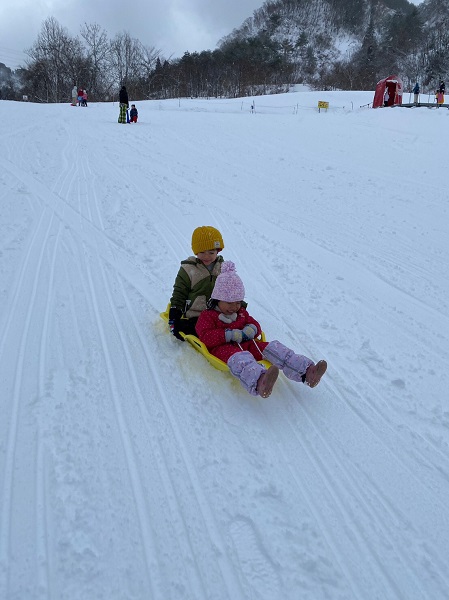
[(124, 104), (416, 93), (439, 97), (74, 95)]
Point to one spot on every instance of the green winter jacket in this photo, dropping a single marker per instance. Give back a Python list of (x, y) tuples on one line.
[(193, 286)]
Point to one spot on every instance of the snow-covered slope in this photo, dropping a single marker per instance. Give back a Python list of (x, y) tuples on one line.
[(129, 468)]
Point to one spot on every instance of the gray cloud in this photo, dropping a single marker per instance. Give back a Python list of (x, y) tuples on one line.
[(173, 26)]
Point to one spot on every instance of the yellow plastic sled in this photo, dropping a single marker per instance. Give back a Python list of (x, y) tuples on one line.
[(198, 345)]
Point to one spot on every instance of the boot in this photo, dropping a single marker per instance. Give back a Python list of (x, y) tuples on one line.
[(315, 372), (266, 381)]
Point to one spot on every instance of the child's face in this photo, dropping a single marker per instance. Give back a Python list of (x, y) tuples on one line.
[(229, 308), (207, 257)]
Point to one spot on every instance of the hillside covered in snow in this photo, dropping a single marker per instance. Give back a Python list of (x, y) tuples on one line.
[(130, 469)]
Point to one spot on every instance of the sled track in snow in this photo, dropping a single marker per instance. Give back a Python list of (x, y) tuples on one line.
[(31, 270), (372, 417), (127, 469), (312, 473), (150, 553), (91, 234), (103, 281), (368, 412), (87, 206), (351, 494), (43, 554), (209, 523), (158, 198)]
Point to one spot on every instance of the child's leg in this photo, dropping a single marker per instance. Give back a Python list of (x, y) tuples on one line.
[(295, 366), (254, 377), (244, 366)]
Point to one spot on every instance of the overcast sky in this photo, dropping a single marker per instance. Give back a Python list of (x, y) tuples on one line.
[(172, 26)]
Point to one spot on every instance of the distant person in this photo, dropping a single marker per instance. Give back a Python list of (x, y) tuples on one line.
[(386, 97), (442, 88), (439, 97), (80, 96), (124, 103), (416, 93), (84, 100), (133, 114), (74, 95)]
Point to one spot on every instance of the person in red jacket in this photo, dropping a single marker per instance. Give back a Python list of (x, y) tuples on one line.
[(229, 332)]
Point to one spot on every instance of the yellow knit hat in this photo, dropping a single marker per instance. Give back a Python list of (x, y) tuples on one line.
[(206, 238)]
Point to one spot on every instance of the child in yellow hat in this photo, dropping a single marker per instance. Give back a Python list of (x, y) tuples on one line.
[(195, 280)]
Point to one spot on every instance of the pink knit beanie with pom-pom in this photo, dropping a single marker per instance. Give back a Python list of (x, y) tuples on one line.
[(228, 286)]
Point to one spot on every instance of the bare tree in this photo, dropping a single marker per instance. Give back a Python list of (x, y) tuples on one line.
[(50, 58), (149, 58), (125, 58), (98, 54)]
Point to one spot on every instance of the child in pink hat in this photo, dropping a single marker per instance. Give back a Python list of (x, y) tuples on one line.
[(228, 331)]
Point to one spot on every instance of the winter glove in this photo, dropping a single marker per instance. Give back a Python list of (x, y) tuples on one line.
[(234, 335), (249, 332), (174, 321)]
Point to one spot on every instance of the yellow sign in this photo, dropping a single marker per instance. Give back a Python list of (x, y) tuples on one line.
[(322, 104)]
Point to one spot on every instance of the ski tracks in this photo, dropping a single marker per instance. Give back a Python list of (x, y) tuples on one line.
[(134, 478), (355, 498), (85, 374), (160, 486), (22, 326), (130, 389)]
